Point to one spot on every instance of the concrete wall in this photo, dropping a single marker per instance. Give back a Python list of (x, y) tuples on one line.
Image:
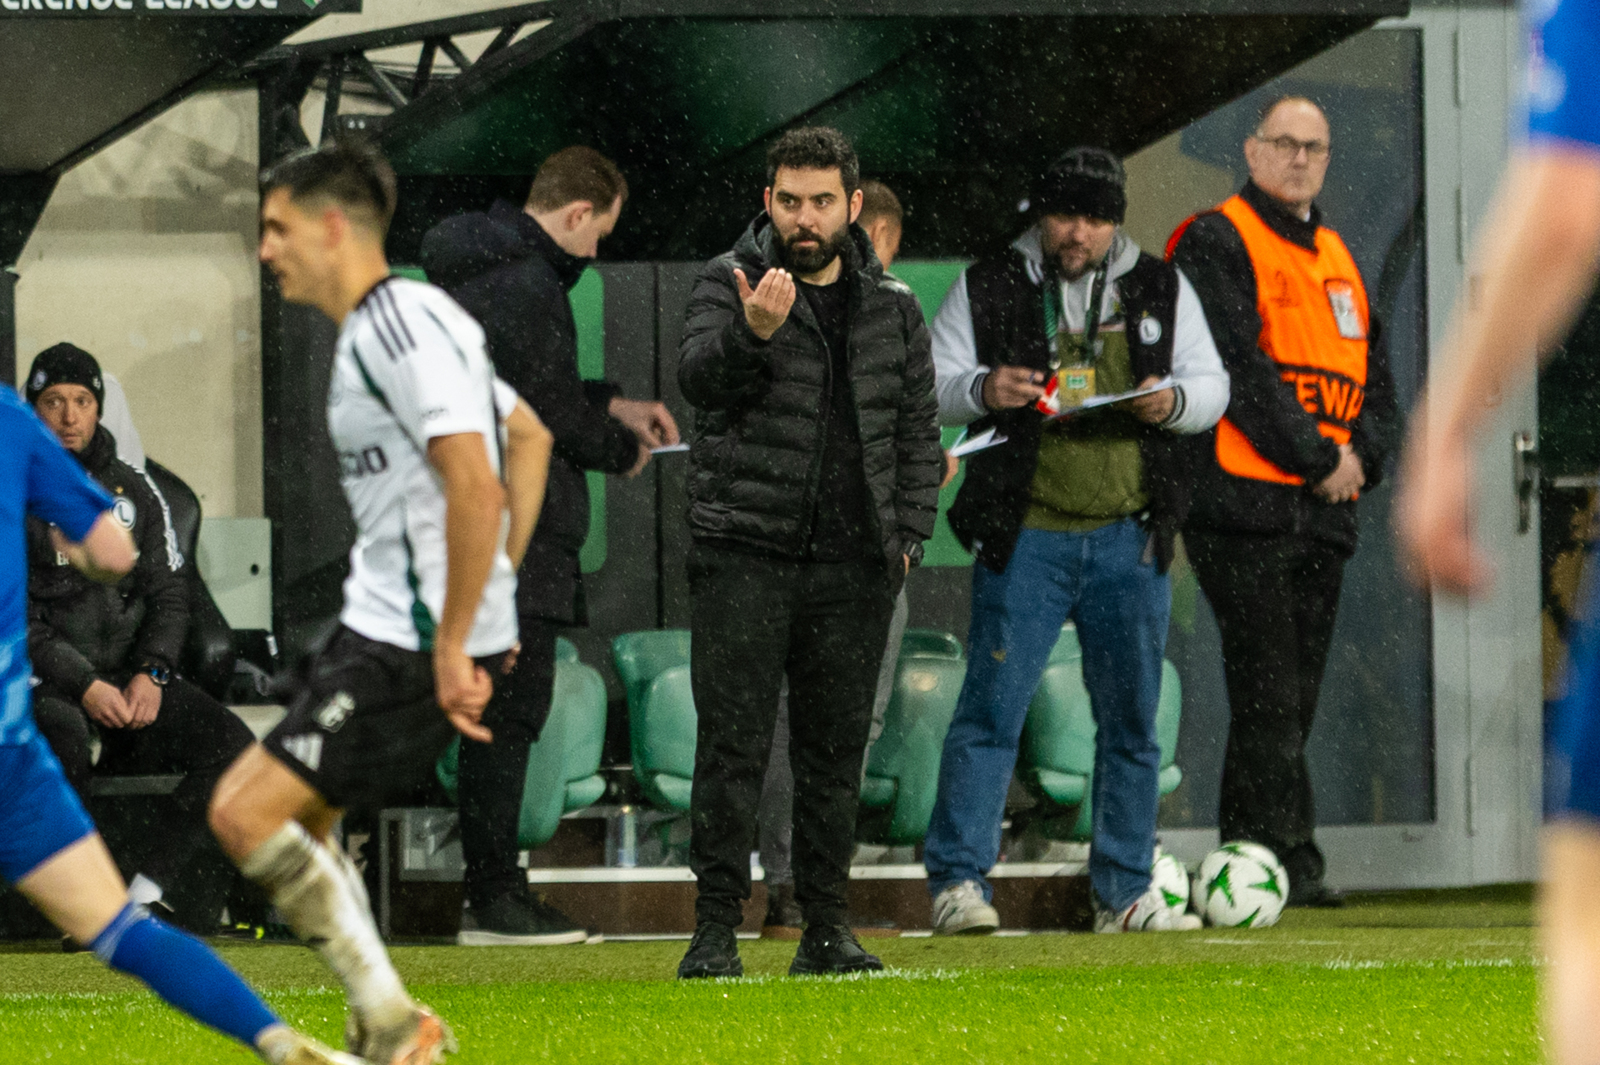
[(146, 258)]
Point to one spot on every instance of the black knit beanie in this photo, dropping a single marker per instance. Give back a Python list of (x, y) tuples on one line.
[(65, 364), (1086, 181)]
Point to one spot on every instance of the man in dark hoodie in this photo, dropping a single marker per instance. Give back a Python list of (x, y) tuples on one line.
[(511, 267), (813, 482), (105, 656)]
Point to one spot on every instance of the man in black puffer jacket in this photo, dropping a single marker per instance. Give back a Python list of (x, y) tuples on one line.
[(511, 268), (814, 480), (104, 655)]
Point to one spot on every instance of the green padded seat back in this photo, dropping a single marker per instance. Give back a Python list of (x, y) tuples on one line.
[(907, 754), (662, 727), (1059, 733), (1169, 712), (876, 791), (641, 657), (581, 693), (1067, 648), (930, 643), (566, 650)]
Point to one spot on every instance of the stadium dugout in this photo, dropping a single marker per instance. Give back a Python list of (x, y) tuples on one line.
[(1426, 762)]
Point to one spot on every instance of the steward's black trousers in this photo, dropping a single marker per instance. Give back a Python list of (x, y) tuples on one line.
[(1275, 598), (756, 618), (489, 789)]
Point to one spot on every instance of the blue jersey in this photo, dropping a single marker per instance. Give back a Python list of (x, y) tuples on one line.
[(39, 477), (1564, 70)]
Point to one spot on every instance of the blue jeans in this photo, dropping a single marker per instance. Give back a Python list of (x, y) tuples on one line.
[(1102, 581)]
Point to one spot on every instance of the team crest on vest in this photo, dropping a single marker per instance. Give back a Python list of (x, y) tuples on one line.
[(124, 511), (1149, 330), (335, 712), (1342, 298)]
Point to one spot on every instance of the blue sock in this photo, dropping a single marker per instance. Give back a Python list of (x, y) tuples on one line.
[(185, 972)]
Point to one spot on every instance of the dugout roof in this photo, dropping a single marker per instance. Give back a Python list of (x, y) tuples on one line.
[(952, 102)]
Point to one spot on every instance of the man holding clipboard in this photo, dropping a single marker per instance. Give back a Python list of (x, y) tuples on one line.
[(1071, 519)]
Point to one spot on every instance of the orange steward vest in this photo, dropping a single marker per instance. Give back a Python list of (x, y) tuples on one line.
[(1314, 319)]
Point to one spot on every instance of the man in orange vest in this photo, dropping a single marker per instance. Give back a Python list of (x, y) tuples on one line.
[(1309, 424)]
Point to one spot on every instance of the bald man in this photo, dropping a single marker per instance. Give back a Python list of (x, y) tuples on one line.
[(1310, 422)]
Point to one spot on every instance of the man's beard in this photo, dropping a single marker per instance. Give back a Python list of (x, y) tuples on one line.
[(805, 261)]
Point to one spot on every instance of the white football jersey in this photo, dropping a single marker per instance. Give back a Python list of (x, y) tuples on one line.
[(410, 366)]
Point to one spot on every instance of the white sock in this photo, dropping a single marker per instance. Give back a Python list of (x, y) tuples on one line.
[(309, 885)]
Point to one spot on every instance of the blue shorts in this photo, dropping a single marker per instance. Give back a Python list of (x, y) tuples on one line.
[(40, 814)]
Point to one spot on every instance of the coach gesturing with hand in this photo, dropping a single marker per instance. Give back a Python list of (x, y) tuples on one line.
[(814, 476)]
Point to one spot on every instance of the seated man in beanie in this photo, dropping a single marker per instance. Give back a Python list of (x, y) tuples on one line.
[(104, 655)]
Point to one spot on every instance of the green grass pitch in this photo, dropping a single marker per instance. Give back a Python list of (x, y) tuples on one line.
[(1423, 977)]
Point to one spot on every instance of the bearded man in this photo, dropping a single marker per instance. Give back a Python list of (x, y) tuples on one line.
[(814, 480)]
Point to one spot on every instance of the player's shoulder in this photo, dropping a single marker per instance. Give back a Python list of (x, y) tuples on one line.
[(401, 316), (18, 423)]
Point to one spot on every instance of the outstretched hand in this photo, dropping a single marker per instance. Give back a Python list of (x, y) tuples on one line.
[(766, 307)]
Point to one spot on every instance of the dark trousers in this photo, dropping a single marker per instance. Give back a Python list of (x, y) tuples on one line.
[(492, 774), (756, 619), (192, 734), (1275, 599)]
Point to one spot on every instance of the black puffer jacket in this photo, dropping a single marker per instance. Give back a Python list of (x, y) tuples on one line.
[(80, 631), (508, 273), (763, 406)]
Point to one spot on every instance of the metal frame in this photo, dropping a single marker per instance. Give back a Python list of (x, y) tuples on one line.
[(344, 65)]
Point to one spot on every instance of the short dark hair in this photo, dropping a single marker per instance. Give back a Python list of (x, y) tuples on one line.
[(815, 148), (577, 174), (349, 171), (879, 201), (1277, 102)]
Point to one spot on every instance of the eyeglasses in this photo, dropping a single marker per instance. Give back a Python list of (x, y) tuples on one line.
[(1288, 147)]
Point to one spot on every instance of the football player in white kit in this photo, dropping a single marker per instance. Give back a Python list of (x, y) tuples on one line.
[(415, 414)]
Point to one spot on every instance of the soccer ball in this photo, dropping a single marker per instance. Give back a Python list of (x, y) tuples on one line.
[(1242, 885), (1171, 878)]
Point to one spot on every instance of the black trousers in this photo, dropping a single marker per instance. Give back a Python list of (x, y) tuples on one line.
[(192, 734), (754, 620), (489, 790), (1275, 599)]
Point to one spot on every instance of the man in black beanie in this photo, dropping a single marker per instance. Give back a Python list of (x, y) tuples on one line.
[(1071, 519), (105, 656)]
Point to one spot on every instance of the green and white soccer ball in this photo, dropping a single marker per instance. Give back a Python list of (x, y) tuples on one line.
[(1171, 878), (1241, 885)]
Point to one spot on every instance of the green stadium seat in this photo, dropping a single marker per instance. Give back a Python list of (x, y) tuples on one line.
[(1057, 755), (902, 777), (564, 765), (654, 667)]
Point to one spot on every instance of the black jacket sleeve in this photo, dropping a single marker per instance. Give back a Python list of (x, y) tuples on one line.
[(532, 341), (1213, 257), (56, 661), (163, 589), (1376, 432), (721, 363), (919, 456)]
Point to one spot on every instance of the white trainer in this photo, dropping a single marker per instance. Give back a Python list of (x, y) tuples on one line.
[(1148, 913), (962, 911)]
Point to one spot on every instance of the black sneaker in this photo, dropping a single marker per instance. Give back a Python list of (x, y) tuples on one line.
[(826, 949), (714, 951), (1315, 896), (518, 920), (784, 919)]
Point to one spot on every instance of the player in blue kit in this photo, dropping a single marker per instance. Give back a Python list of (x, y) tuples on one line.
[(48, 846), (1535, 268)]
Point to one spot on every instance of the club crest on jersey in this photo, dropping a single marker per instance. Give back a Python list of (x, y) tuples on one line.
[(335, 712), (124, 511), (1149, 330)]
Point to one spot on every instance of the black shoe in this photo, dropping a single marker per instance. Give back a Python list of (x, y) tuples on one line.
[(714, 951), (784, 919), (831, 949), (519, 919), (1315, 895)]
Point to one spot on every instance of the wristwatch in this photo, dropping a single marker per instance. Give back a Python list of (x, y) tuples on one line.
[(157, 672), (913, 552)]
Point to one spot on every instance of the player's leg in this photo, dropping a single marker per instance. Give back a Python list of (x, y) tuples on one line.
[(61, 865), (276, 827), (1571, 936)]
